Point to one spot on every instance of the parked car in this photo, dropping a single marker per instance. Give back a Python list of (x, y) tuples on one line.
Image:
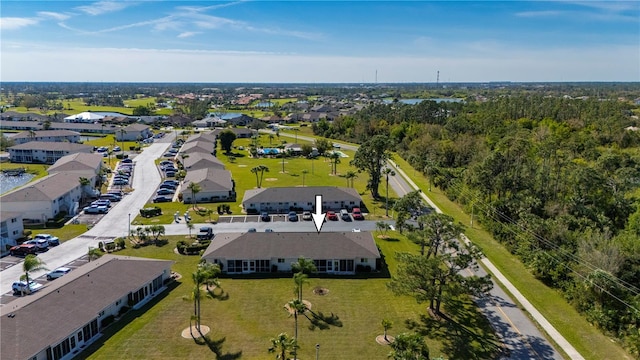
[(23, 250), (162, 198), (169, 155), (205, 233), (116, 148), (356, 213), (172, 182), (344, 214), (96, 209), (265, 216), (40, 244), (268, 230), (292, 216), (111, 196), (306, 215), (165, 192), (58, 273), (52, 240), (168, 186), (252, 230), (21, 286), (166, 162), (331, 215), (102, 202), (170, 174), (127, 161), (120, 182)]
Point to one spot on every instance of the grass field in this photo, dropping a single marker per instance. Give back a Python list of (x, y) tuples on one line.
[(253, 313)]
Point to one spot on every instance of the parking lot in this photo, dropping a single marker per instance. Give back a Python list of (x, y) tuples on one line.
[(9, 261), (251, 218)]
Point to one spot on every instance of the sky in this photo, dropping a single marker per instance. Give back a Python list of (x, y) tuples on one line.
[(319, 41)]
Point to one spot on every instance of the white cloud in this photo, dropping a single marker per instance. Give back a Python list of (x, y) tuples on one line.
[(103, 7), (187, 34), (53, 15), (14, 23), (609, 63)]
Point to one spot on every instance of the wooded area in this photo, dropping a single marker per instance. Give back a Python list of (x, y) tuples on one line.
[(553, 178)]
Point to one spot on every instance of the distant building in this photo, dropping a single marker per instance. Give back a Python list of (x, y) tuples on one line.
[(84, 117), (216, 185), (47, 135), (11, 229), (133, 132), (285, 199), (41, 152)]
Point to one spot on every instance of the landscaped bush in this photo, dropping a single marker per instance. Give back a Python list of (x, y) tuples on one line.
[(185, 248), (119, 156), (120, 243), (150, 212), (123, 310), (107, 321), (363, 268)]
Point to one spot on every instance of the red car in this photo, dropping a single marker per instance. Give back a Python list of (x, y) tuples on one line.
[(23, 250), (331, 215), (357, 214)]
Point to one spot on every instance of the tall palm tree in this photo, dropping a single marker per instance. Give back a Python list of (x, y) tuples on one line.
[(387, 172), (350, 176), (271, 137), (195, 188), (301, 269), (335, 160), (282, 153), (94, 253), (297, 307), (205, 274), (122, 132), (282, 345), (31, 263), (256, 170), (304, 172), (190, 226), (262, 169)]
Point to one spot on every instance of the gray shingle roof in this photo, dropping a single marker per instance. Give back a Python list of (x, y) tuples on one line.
[(45, 133), (323, 245), (197, 146), (53, 313), (301, 194), (50, 145), (210, 179), (198, 160), (77, 162)]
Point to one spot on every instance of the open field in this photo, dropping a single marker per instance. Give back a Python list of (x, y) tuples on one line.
[(589, 341), (243, 324)]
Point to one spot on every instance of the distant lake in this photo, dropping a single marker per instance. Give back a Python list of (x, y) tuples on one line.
[(416, 101), (11, 182)]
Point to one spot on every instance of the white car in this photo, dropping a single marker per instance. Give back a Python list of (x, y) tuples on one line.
[(21, 286), (58, 273), (52, 240), (41, 244), (306, 215)]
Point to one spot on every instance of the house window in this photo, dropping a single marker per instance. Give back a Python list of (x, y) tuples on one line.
[(364, 260), (280, 261), (79, 335), (14, 220)]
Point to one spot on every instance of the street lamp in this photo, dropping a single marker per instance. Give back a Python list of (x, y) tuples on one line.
[(317, 351), (129, 234)]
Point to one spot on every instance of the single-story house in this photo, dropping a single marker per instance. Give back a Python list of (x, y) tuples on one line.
[(84, 117), (85, 128), (11, 229), (198, 146), (215, 185), (45, 198), (332, 253), (295, 149), (70, 313), (241, 133), (44, 152), (88, 166), (285, 199), (133, 132), (198, 160), (46, 135)]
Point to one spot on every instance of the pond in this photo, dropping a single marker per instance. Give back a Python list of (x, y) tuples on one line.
[(8, 183)]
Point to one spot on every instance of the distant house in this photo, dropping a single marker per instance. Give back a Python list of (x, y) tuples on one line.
[(11, 229), (198, 146), (47, 135), (241, 133), (216, 185), (285, 199), (20, 125), (41, 152), (204, 136), (85, 128), (88, 166), (45, 198), (72, 312), (133, 132), (198, 160), (332, 253)]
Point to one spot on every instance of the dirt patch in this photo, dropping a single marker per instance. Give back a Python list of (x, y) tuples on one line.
[(382, 341), (319, 290), (242, 165), (382, 236), (271, 179), (186, 333), (290, 310)]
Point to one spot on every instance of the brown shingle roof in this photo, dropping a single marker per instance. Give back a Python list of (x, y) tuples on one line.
[(198, 160), (50, 145), (209, 179), (77, 162), (45, 133), (53, 313), (48, 188)]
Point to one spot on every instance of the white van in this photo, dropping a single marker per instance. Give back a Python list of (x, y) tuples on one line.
[(344, 214)]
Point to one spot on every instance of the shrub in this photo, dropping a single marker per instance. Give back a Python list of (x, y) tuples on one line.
[(107, 321), (123, 310), (101, 246), (120, 243), (119, 156)]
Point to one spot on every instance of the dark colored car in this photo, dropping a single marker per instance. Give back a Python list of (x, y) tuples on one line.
[(205, 233), (23, 250), (265, 217), (159, 199), (165, 191), (292, 216)]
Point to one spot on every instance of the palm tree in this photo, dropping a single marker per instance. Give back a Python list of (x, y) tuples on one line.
[(206, 273), (271, 137), (407, 346), (84, 182), (190, 226), (386, 324), (122, 132), (350, 176), (335, 160), (262, 169), (282, 153), (304, 172), (301, 269), (94, 253), (388, 172), (297, 307), (31, 263), (281, 345), (256, 170), (195, 188)]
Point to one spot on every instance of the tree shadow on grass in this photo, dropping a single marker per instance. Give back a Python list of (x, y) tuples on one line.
[(463, 332), (323, 322), (220, 296), (216, 347)]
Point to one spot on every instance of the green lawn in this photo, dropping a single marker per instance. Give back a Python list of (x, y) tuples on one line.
[(253, 313), (589, 341)]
